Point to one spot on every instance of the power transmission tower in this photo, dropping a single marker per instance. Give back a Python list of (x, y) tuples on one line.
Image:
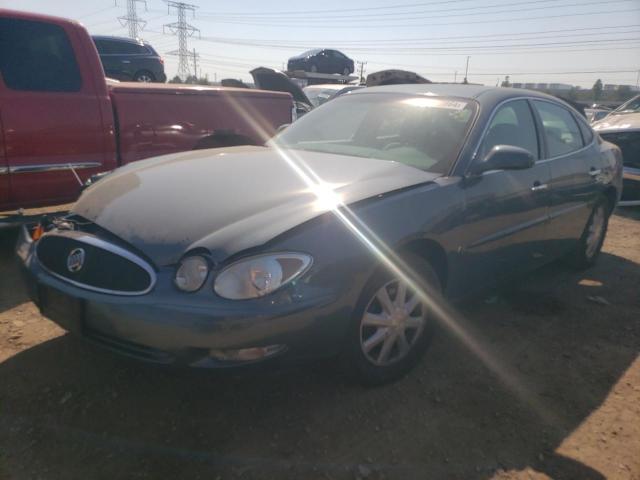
[(131, 19), (195, 63), (183, 30)]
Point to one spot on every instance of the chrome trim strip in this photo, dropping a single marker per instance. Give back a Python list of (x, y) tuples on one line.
[(631, 173), (96, 242), (507, 232), (52, 167), (4, 170)]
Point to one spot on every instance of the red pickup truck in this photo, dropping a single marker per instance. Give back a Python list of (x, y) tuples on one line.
[(61, 121)]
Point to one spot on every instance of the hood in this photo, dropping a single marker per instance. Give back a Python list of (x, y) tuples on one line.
[(618, 121), (228, 200), (275, 81)]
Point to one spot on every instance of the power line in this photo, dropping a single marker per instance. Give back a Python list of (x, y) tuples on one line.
[(412, 41), (183, 30), (415, 15), (378, 26), (131, 19)]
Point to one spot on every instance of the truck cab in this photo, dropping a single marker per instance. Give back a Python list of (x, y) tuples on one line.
[(62, 121)]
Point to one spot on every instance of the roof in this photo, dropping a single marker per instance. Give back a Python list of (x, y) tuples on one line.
[(478, 92), (137, 41)]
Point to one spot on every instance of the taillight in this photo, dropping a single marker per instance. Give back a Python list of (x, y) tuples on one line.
[(161, 60)]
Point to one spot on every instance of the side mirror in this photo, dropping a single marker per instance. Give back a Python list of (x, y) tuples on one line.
[(505, 157)]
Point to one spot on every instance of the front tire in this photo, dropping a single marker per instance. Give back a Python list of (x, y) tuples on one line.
[(392, 327), (590, 243)]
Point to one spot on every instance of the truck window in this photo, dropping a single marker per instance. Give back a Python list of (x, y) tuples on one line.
[(37, 56)]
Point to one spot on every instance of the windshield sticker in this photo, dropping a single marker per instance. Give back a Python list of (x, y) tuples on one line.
[(435, 103)]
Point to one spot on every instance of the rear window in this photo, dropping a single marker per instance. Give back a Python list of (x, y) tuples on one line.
[(37, 56)]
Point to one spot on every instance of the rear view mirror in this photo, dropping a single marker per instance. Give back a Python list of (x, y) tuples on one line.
[(505, 157)]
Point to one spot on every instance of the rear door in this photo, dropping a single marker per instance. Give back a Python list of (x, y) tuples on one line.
[(573, 185), (507, 210), (51, 112)]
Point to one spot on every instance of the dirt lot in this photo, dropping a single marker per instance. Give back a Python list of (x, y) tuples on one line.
[(562, 402)]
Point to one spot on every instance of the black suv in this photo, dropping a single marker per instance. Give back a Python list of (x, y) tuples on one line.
[(322, 61), (127, 59)]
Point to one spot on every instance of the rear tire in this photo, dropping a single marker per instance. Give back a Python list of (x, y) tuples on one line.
[(590, 244), (385, 342)]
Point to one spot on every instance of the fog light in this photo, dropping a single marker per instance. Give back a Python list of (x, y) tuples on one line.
[(247, 354)]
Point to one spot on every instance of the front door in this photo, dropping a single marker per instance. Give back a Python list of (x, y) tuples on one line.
[(506, 211), (51, 114)]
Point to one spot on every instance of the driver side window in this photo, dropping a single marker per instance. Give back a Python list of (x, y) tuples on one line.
[(513, 124)]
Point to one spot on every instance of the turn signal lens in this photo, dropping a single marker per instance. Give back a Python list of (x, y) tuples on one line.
[(191, 273)]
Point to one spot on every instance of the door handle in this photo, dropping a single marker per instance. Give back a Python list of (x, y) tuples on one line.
[(126, 61), (594, 172), (539, 187)]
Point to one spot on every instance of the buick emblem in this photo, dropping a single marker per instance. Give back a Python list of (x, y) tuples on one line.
[(75, 260)]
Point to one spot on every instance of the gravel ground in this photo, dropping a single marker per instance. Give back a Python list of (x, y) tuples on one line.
[(561, 399)]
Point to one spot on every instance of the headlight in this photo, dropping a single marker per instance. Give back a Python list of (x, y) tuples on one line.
[(257, 276), (191, 273)]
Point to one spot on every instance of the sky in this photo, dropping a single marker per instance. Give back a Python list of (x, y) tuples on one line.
[(560, 41)]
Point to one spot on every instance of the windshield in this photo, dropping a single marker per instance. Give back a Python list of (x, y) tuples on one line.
[(632, 106), (423, 132)]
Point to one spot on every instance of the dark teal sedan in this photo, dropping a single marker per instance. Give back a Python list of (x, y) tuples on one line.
[(348, 233)]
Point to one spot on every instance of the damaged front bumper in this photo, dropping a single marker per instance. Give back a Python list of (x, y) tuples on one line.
[(171, 327)]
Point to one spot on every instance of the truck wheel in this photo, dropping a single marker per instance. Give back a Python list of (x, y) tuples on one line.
[(143, 76), (588, 248), (392, 327)]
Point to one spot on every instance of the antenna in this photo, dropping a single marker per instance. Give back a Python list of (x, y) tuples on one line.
[(131, 19), (182, 30)]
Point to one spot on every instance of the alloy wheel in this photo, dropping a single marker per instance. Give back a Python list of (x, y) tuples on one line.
[(391, 324)]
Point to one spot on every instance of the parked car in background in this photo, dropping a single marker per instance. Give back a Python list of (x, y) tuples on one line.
[(129, 60), (322, 60), (276, 81), (341, 235), (394, 77), (319, 94), (622, 127), (67, 122)]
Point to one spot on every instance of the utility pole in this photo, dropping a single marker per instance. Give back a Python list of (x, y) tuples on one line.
[(182, 30), (466, 72), (361, 65), (131, 19)]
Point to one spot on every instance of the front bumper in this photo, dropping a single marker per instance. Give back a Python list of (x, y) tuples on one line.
[(172, 327), (631, 187)]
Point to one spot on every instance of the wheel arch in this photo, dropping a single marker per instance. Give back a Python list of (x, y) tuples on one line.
[(431, 251)]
